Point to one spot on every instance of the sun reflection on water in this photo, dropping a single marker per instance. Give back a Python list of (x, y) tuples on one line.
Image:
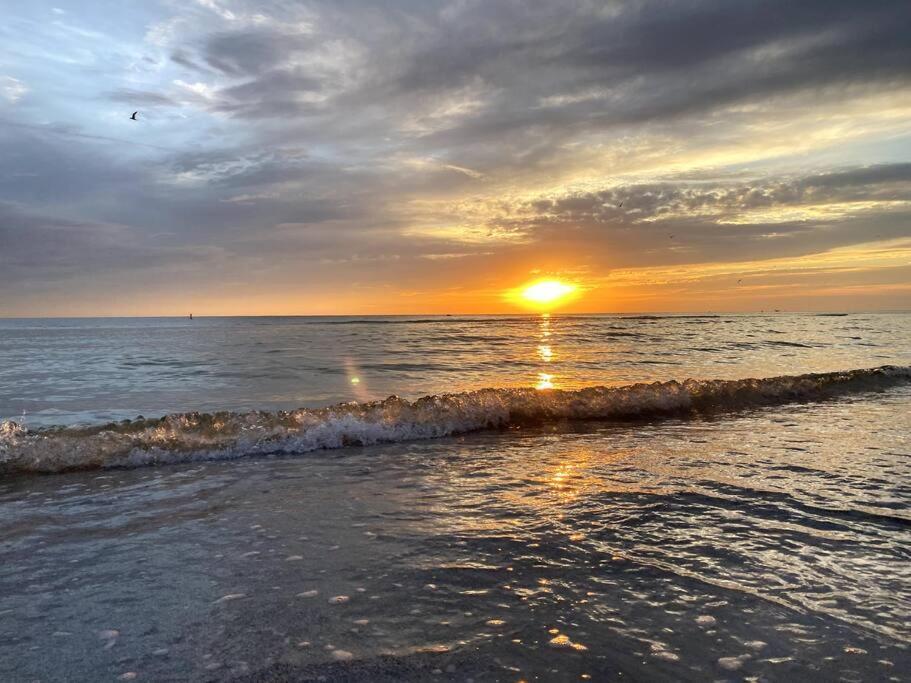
[(545, 353), (545, 324), (545, 381)]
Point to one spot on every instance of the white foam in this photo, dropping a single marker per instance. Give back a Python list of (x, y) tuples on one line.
[(187, 437), (230, 597)]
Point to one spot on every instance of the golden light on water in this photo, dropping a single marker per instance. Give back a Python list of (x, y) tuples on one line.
[(545, 352), (545, 381), (547, 292), (545, 326)]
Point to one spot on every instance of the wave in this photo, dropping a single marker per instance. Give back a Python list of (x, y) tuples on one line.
[(226, 435)]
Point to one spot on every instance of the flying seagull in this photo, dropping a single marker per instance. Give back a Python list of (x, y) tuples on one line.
[(620, 205), (133, 116)]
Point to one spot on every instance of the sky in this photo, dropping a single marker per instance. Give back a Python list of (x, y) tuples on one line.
[(355, 157)]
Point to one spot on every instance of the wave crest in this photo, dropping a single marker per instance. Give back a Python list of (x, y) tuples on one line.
[(225, 435)]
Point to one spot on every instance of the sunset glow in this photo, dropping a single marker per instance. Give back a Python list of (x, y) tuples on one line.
[(525, 274), (547, 293), (286, 162)]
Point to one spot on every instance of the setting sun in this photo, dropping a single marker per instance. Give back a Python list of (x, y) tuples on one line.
[(547, 292), (475, 287)]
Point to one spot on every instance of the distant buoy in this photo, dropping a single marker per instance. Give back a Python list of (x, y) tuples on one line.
[(191, 316)]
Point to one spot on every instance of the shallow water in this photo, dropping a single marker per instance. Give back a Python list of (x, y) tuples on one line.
[(756, 544), (70, 371), (766, 542)]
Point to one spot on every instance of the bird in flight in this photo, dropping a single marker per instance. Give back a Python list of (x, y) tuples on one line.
[(134, 115), (620, 205)]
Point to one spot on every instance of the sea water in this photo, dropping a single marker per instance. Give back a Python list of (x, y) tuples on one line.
[(545, 498)]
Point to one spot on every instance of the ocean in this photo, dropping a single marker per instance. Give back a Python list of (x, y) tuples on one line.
[(486, 498)]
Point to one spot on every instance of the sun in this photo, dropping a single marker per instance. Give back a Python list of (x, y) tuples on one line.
[(547, 292), (543, 295)]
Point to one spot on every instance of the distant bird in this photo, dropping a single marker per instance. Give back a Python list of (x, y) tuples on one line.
[(620, 205), (739, 281), (134, 115), (670, 237)]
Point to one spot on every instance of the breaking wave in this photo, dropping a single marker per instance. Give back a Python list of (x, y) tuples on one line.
[(219, 436)]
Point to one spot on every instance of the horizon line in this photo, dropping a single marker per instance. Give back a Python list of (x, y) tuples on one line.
[(461, 315)]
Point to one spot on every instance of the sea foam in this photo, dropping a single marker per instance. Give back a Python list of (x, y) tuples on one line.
[(193, 436)]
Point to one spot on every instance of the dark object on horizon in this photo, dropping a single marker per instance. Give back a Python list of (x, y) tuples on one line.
[(133, 116), (191, 316)]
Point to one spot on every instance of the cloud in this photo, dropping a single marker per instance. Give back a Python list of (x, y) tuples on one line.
[(884, 183), (248, 52), (673, 222), (426, 140), (218, 9), (12, 89), (40, 247), (141, 98)]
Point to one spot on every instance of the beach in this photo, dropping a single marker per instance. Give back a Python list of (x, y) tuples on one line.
[(531, 506), (518, 342)]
